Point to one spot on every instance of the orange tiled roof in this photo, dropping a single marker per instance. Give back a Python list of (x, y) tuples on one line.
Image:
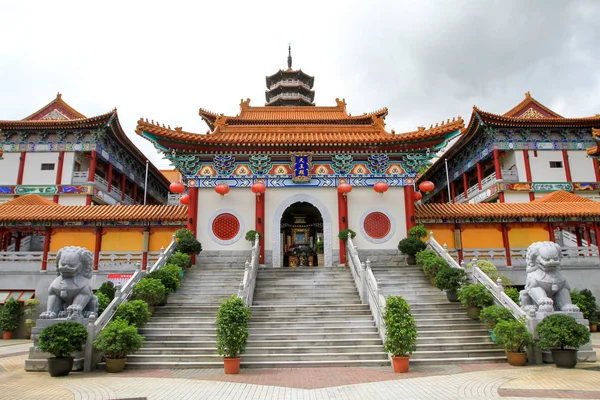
[(57, 124), (171, 174), (58, 105), (594, 151), (552, 205), (29, 200), (45, 213), (527, 103)]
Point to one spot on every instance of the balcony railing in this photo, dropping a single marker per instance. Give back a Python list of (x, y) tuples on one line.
[(290, 83), (80, 177), (486, 183), (289, 96)]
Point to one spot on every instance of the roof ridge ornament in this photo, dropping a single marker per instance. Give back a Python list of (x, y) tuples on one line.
[(289, 60)]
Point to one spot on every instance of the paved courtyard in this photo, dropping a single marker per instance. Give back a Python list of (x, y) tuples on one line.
[(468, 381)]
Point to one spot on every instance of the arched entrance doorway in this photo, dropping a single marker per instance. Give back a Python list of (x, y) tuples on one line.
[(298, 223)]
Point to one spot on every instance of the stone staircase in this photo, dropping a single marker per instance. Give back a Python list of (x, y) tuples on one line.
[(181, 334), (446, 334), (310, 317)]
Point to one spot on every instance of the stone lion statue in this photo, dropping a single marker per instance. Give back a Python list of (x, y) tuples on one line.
[(546, 288), (71, 291)]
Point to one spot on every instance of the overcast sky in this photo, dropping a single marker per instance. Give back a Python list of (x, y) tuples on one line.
[(426, 61)]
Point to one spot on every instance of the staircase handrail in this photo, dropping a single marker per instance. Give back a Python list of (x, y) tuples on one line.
[(442, 251), (356, 269), (248, 283), (497, 291), (122, 295)]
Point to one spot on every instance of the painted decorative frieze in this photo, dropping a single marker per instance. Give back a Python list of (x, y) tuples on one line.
[(378, 163), (260, 164), (342, 163)]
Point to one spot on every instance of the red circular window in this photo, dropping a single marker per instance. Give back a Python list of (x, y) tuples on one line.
[(226, 226), (377, 225)]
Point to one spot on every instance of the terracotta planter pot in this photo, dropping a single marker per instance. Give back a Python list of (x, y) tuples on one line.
[(593, 328), (231, 365), (60, 366), (473, 312), (516, 359), (115, 364), (7, 335), (400, 363), (566, 358)]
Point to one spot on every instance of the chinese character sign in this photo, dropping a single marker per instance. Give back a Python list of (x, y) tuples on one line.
[(301, 166)]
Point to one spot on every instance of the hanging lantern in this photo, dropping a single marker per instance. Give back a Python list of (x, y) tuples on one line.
[(185, 199), (417, 196), (176, 187), (222, 189), (344, 188), (381, 187), (258, 188), (426, 186)]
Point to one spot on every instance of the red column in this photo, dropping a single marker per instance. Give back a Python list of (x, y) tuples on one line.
[(551, 232), (588, 236), (91, 174), (1, 239), (192, 209), (497, 166), (506, 244), (443, 196), (466, 185), (567, 166), (343, 223), (123, 182), (597, 233), (47, 236), (479, 175), (134, 194), (578, 237), (528, 172), (97, 247), (260, 223), (596, 169), (18, 242), (59, 171), (453, 192), (409, 200), (109, 177)]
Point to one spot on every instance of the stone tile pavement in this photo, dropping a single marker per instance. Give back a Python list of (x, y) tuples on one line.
[(469, 381)]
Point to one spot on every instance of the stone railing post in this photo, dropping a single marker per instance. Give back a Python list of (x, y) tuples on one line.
[(88, 361), (363, 282)]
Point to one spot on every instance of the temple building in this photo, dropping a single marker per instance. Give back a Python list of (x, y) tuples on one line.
[(515, 157), (299, 174), (62, 155)]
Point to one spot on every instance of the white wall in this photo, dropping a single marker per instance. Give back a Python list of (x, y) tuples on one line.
[(68, 164), (519, 161), (209, 202), (540, 166), (33, 174), (71, 200), (582, 168), (9, 168), (365, 199), (515, 197)]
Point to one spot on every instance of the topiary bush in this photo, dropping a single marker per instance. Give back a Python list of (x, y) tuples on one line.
[(169, 277), (63, 339), (103, 302), (135, 312), (10, 315), (108, 289), (184, 233), (411, 246), (251, 235), (424, 255), (512, 335), (493, 314), (513, 293), (118, 339), (432, 266), (586, 302), (343, 235), (475, 295), (418, 231), (560, 331), (491, 270), (180, 259), (188, 246), (151, 290), (232, 327), (450, 279), (401, 328)]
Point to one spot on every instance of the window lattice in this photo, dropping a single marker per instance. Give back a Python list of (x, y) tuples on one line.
[(226, 226), (377, 225)]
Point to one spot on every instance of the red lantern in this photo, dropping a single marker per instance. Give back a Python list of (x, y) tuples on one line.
[(258, 188), (426, 186), (222, 189), (344, 188), (381, 187), (417, 196), (185, 199), (176, 187)]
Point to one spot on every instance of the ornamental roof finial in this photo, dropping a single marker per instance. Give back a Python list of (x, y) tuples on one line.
[(289, 56)]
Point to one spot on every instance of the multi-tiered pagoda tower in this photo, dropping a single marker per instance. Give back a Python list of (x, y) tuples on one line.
[(290, 87)]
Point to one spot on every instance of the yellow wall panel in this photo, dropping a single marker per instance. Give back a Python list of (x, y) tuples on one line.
[(523, 237), (122, 240), (63, 238), (442, 234), (160, 238), (474, 236)]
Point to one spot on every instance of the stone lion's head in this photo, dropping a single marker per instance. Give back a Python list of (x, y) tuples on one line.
[(544, 256), (74, 260)]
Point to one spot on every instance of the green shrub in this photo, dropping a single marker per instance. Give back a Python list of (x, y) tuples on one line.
[(30, 310), (10, 315), (512, 335), (251, 235), (63, 339), (103, 302), (432, 266), (118, 339), (401, 328), (184, 233), (450, 279), (188, 245), (418, 231), (491, 270), (320, 247), (134, 312), (514, 294), (586, 302), (424, 255), (232, 327), (493, 314), (343, 235), (559, 331), (411, 245), (108, 289), (151, 290), (169, 275), (180, 259), (475, 295)]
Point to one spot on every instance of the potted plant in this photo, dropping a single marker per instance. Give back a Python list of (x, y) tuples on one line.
[(594, 322), (62, 340), (151, 290), (108, 289), (586, 302), (418, 231), (180, 259), (432, 266), (474, 297), (562, 335), (103, 302), (450, 280), (251, 236), (232, 332), (491, 315), (320, 249), (514, 338), (117, 340), (343, 235), (9, 317), (30, 310), (422, 256), (134, 312), (169, 275), (401, 332), (187, 242), (411, 246), (513, 293)]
